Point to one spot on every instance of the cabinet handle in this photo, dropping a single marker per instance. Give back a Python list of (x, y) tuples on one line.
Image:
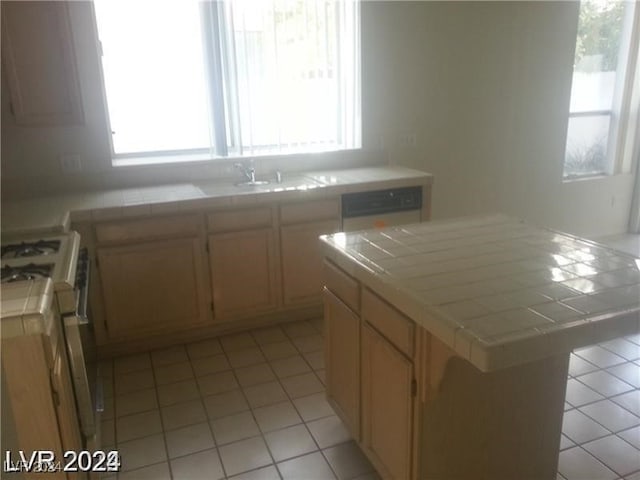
[(414, 387)]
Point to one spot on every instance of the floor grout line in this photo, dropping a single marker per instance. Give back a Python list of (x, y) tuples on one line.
[(291, 337)]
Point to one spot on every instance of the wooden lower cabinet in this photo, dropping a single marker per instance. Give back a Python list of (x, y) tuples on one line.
[(371, 382), (302, 260), (424, 412), (243, 269), (342, 358), (387, 405), (38, 404), (155, 286), (64, 402)]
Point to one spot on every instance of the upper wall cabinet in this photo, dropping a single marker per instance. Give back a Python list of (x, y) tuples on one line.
[(40, 64)]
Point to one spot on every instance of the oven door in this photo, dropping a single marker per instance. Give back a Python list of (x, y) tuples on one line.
[(84, 373), (81, 350)]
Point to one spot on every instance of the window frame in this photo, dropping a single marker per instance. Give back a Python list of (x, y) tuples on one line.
[(226, 142), (623, 109)]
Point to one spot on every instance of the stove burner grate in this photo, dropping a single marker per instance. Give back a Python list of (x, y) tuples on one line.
[(25, 272), (30, 249)]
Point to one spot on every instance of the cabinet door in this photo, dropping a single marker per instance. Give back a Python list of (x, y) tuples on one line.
[(64, 403), (152, 287), (342, 356), (302, 260), (243, 272), (40, 63), (387, 399)]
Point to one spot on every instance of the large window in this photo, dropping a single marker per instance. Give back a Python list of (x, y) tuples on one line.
[(195, 80), (601, 92)]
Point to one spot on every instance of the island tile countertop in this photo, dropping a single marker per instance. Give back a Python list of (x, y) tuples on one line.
[(498, 291), (55, 213)]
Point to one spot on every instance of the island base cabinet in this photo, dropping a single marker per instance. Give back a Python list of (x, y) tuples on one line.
[(342, 354), (387, 406), (504, 424)]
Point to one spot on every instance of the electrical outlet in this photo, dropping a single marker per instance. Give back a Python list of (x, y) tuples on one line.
[(407, 140), (70, 163)]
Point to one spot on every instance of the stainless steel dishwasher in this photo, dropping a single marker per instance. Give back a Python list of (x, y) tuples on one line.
[(381, 208)]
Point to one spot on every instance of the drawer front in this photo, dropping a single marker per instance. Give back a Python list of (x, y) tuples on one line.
[(147, 229), (309, 211), (342, 285), (397, 328), (245, 219)]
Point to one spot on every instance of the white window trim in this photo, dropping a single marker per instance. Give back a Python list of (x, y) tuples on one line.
[(622, 145), (220, 150)]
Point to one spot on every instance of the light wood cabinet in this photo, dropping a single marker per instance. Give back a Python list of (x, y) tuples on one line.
[(425, 412), (153, 286), (302, 260), (342, 358), (41, 69), (302, 224), (243, 272), (371, 375), (387, 405), (64, 402), (243, 262), (38, 397)]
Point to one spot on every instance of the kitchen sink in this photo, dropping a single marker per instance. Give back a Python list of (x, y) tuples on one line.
[(288, 183), (253, 183)]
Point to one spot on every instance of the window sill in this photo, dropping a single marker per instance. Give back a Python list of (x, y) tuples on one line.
[(185, 157), (150, 160), (587, 176), (596, 177)]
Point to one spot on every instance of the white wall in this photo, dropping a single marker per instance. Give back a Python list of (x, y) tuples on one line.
[(484, 86)]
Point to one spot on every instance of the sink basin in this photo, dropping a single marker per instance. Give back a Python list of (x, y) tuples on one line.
[(290, 182), (254, 183)]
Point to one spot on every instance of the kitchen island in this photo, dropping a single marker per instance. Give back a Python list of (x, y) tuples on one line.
[(448, 343)]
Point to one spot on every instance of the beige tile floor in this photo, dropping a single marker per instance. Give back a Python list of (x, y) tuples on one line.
[(601, 425), (245, 406), (251, 406)]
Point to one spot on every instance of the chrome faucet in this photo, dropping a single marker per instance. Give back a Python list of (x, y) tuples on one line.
[(249, 175), (248, 172)]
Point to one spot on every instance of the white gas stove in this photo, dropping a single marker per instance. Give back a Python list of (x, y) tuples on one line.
[(46, 279), (54, 257)]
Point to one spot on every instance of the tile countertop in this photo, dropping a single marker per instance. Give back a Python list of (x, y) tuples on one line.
[(498, 291), (26, 308), (55, 213)]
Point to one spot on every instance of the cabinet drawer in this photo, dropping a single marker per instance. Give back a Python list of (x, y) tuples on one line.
[(245, 219), (342, 285), (147, 229), (309, 211), (397, 328)]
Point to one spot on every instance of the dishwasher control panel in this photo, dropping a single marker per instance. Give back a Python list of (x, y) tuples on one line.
[(378, 202)]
